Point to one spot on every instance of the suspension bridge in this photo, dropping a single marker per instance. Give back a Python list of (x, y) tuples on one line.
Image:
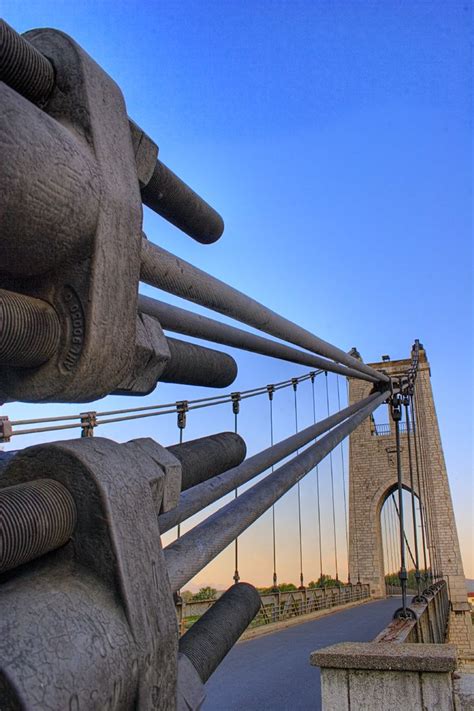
[(97, 543)]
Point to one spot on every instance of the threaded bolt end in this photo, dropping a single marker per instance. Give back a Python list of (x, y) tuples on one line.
[(168, 196), (208, 641), (23, 68), (29, 330), (37, 517)]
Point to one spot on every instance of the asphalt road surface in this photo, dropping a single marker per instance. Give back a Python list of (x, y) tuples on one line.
[(273, 671)]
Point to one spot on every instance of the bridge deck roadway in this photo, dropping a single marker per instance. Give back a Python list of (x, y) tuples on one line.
[(273, 671)]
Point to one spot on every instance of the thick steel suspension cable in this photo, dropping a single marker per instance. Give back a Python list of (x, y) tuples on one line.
[(186, 557), (332, 488), (341, 447), (300, 530), (166, 271), (317, 491)]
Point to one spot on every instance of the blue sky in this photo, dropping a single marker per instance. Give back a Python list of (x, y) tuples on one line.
[(335, 138)]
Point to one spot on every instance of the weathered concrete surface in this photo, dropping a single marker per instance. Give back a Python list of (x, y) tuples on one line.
[(273, 671), (464, 691), (382, 676), (387, 656)]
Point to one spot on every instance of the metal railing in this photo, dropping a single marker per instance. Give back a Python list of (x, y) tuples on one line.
[(279, 606), (384, 429), (427, 619)]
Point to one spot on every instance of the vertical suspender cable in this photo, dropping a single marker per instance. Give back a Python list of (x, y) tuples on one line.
[(271, 390), (429, 494), (236, 409), (396, 415), (393, 534), (181, 410), (317, 489), (300, 533), (427, 510), (406, 402), (428, 491), (354, 513), (426, 506), (384, 542), (407, 543), (332, 488), (420, 493), (386, 538), (388, 546), (390, 523), (341, 446)]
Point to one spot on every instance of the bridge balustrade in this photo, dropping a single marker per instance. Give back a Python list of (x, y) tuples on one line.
[(279, 606), (407, 660), (428, 622)]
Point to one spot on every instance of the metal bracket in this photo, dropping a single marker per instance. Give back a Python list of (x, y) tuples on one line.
[(88, 422), (6, 430), (236, 398), (71, 230), (99, 612)]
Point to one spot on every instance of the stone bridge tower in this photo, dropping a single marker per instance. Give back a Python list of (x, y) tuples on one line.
[(373, 477)]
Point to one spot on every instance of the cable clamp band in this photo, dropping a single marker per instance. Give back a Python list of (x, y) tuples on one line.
[(181, 408), (270, 391), (88, 422), (236, 397), (395, 408), (6, 430)]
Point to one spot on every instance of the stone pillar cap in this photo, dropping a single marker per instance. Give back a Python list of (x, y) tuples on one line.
[(387, 656)]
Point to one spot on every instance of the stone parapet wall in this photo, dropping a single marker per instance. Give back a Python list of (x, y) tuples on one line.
[(378, 676)]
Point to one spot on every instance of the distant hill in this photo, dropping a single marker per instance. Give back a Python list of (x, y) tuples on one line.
[(470, 584)]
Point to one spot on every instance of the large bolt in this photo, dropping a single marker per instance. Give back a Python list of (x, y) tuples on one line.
[(207, 457), (37, 517), (167, 195), (23, 68), (29, 330), (214, 634), (196, 365)]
